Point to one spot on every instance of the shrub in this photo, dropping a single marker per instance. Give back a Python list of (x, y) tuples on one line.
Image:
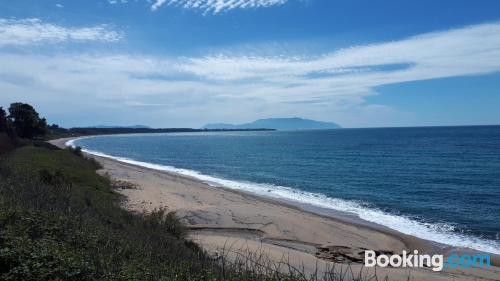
[(76, 150)]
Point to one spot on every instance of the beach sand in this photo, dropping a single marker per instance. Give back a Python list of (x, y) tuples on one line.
[(241, 223)]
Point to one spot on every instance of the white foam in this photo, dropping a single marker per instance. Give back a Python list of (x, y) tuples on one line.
[(441, 233)]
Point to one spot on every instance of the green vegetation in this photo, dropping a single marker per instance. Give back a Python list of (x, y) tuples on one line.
[(6, 143), (3, 119), (23, 125), (25, 120), (60, 220)]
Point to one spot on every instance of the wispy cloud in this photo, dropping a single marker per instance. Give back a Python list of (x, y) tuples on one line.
[(472, 47), (356, 71), (35, 31), (112, 2), (217, 6), (193, 89)]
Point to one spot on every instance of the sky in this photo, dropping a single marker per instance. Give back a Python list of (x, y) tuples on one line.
[(185, 63)]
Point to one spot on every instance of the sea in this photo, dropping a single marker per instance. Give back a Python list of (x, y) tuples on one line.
[(437, 183)]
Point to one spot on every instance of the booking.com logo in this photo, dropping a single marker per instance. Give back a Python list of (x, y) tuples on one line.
[(435, 262)]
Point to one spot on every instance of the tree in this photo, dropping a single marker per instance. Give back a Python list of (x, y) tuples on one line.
[(26, 121), (3, 120)]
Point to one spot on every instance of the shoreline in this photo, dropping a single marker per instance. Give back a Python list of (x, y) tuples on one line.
[(280, 229), (342, 217)]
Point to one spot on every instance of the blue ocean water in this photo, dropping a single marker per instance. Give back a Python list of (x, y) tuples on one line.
[(437, 183)]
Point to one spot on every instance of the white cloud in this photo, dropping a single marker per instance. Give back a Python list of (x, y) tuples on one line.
[(35, 31), (357, 70), (192, 90), (434, 50), (112, 2), (217, 6)]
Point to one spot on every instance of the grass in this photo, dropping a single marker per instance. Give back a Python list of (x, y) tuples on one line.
[(6, 144), (60, 220)]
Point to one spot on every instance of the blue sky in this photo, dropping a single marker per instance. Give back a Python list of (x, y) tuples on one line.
[(185, 63)]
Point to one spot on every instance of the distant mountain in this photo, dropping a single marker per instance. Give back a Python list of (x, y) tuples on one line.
[(125, 127), (278, 124)]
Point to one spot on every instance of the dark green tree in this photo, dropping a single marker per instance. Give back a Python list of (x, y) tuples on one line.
[(3, 120), (26, 121)]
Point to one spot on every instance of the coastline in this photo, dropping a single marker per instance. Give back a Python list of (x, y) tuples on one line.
[(219, 216)]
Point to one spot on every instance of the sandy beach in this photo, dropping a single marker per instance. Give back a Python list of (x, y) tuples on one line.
[(240, 223)]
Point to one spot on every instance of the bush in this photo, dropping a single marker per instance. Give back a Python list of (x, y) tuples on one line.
[(76, 150), (163, 221)]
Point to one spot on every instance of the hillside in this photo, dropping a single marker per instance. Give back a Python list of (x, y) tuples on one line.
[(126, 127), (278, 124)]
